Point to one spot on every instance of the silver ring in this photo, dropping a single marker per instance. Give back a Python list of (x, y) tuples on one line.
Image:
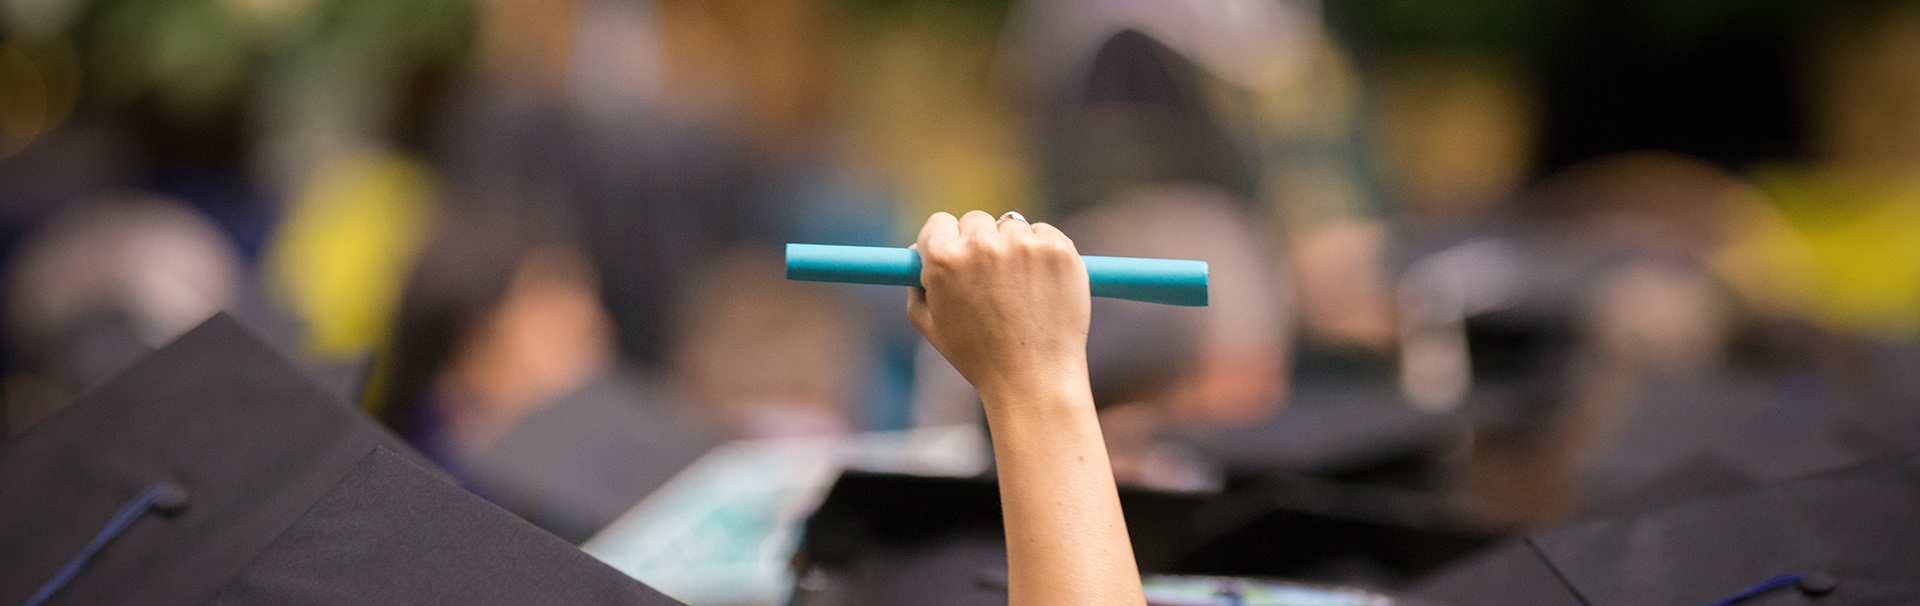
[(1012, 215)]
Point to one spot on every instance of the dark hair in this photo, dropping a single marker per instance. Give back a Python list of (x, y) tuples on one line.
[(459, 279), (1142, 119)]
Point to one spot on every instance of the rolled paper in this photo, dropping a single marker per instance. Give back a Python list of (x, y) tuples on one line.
[(1166, 281)]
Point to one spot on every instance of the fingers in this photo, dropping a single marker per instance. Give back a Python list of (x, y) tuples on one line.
[(1046, 231), (976, 224), (939, 224)]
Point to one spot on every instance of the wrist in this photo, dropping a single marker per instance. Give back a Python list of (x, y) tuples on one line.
[(1044, 388)]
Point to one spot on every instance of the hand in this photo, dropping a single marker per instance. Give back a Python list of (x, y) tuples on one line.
[(1007, 303)]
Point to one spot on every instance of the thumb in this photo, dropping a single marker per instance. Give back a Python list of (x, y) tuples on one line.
[(917, 311)]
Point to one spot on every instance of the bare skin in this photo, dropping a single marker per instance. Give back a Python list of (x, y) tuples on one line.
[(1008, 305)]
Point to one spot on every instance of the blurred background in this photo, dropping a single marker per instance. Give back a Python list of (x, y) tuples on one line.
[(1511, 259)]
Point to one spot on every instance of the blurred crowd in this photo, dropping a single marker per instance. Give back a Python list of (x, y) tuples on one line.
[(1521, 257)]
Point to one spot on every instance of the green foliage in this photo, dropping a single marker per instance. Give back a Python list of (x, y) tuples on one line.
[(197, 55)]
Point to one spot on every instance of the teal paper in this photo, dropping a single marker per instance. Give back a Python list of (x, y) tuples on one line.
[(1167, 281)]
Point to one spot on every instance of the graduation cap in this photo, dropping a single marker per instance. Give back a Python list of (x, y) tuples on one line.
[(214, 471), (1301, 527), (1839, 537), (574, 466), (887, 538), (1766, 427), (902, 539), (1340, 430)]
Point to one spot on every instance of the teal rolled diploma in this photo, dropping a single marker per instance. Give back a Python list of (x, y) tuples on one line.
[(1166, 281)]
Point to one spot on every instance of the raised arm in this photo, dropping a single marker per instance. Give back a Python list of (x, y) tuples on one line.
[(1007, 304)]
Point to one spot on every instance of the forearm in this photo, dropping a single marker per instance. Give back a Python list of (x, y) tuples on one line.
[(1066, 538)]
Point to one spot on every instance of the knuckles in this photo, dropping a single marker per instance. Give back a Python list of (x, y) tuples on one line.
[(970, 250)]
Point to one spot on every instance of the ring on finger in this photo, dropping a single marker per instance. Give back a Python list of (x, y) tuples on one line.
[(1012, 215)]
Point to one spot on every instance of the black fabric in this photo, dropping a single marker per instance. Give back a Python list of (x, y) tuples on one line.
[(1512, 574), (875, 535), (1698, 477), (393, 533), (269, 461), (865, 511), (574, 466), (1310, 529), (880, 539), (253, 442), (1861, 525), (967, 569), (1515, 573), (346, 380), (1334, 429), (1765, 427)]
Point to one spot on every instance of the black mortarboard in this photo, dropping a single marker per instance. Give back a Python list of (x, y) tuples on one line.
[(1307, 528), (214, 471), (577, 464), (884, 538), (1335, 429), (1517, 575), (901, 539), (1766, 427), (1840, 537)]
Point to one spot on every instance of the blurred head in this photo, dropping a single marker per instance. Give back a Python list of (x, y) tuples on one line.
[(1653, 202), (1612, 265), (1658, 316), (1141, 117), (100, 285), (768, 356), (500, 316), (1220, 364), (1154, 368), (1550, 338)]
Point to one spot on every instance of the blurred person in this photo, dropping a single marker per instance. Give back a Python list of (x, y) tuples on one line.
[(1159, 369), (102, 284), (658, 123), (1252, 97), (1139, 116), (1454, 140), (1601, 286), (1131, 110), (1456, 135), (1626, 327), (1592, 341), (1649, 201), (1623, 206), (1324, 189), (767, 357), (504, 370)]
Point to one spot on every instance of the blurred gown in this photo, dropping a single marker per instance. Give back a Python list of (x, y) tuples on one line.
[(575, 465)]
